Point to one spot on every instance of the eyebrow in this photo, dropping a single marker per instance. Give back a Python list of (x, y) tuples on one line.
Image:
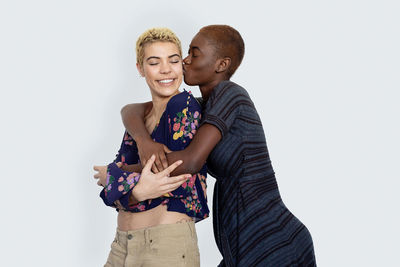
[(195, 47), (171, 56)]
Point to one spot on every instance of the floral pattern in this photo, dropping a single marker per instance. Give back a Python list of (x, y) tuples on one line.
[(116, 188), (185, 123), (128, 140), (175, 129)]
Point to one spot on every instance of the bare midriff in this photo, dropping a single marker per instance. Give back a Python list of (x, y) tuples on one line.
[(128, 221)]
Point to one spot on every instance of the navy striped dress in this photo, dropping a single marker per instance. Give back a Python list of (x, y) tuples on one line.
[(252, 226)]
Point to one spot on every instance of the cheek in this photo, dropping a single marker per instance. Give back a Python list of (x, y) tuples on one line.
[(178, 69), (149, 82), (150, 74), (202, 66), (199, 70)]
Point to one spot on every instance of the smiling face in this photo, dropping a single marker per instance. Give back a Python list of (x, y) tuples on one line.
[(162, 68)]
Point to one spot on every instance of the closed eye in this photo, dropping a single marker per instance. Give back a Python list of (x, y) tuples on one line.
[(175, 58)]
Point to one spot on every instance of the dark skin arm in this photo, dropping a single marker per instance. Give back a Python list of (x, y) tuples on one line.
[(194, 156), (132, 168), (141, 135)]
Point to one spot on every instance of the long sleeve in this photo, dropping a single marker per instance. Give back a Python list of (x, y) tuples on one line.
[(119, 182)]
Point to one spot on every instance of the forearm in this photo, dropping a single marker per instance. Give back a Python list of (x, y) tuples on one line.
[(132, 168), (191, 164), (133, 118), (119, 183), (133, 195), (195, 155), (130, 197)]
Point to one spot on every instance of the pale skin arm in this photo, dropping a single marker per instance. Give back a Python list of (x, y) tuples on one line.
[(150, 185), (141, 135)]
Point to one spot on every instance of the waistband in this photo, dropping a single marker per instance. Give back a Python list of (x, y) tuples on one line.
[(161, 230)]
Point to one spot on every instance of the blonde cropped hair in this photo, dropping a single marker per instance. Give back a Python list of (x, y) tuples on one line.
[(155, 35)]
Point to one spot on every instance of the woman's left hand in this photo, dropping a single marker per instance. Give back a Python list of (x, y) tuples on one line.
[(102, 174)]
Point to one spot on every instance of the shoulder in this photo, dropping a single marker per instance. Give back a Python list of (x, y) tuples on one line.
[(229, 88), (183, 100), (184, 115), (229, 93)]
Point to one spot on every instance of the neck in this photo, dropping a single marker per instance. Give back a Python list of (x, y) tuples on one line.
[(159, 105), (207, 89)]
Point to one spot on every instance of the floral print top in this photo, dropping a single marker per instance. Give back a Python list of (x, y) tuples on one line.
[(176, 128)]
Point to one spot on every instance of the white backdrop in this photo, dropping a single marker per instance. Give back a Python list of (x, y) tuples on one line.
[(324, 77)]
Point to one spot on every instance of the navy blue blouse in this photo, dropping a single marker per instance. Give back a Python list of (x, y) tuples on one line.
[(175, 129)]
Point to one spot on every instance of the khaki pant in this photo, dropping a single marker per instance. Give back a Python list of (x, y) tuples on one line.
[(162, 245)]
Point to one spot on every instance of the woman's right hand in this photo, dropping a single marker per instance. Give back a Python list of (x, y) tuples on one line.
[(147, 147), (153, 185)]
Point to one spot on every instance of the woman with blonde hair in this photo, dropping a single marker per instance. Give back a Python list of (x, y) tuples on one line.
[(156, 213)]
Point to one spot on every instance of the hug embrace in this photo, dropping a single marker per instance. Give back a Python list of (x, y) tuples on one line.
[(157, 182)]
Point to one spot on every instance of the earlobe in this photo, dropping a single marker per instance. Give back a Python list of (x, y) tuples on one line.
[(223, 64)]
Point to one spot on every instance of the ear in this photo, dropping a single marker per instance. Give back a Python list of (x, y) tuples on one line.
[(223, 64), (140, 69)]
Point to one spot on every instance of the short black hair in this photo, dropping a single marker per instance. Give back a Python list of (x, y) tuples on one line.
[(228, 43)]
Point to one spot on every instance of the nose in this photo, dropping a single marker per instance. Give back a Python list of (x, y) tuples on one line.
[(165, 68), (187, 60)]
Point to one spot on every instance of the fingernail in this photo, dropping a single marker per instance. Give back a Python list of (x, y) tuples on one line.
[(180, 161)]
